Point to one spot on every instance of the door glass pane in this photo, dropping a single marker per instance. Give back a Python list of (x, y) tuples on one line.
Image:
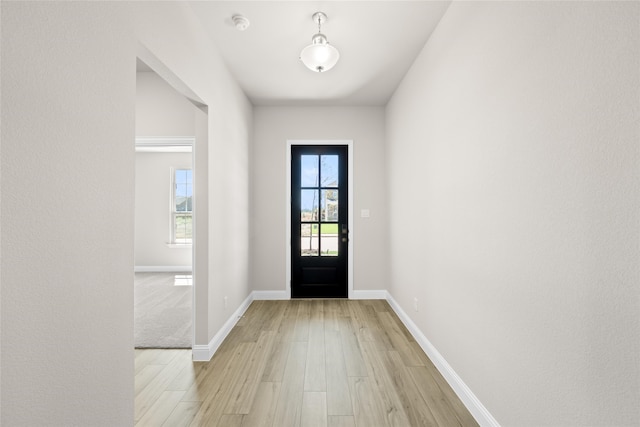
[(329, 210), (309, 202), (329, 171), (309, 177), (329, 239), (309, 239)]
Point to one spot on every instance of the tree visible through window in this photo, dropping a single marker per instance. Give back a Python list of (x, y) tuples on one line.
[(182, 215)]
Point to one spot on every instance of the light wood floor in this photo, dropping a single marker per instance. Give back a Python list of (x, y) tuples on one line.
[(300, 363)]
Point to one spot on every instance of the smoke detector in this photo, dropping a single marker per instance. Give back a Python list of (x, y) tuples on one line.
[(241, 22)]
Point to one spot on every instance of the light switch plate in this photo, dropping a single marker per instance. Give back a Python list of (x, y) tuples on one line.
[(364, 213)]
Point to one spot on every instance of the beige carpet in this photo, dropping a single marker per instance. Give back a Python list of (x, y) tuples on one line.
[(162, 311)]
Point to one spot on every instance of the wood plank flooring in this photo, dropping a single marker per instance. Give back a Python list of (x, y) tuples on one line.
[(329, 363)]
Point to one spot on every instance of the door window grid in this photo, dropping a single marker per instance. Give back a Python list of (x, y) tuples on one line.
[(319, 205)]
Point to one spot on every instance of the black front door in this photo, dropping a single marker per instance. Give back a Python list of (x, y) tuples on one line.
[(319, 221)]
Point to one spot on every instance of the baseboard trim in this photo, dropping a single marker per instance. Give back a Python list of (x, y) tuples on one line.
[(473, 404), (162, 269), (373, 294), (204, 353), (270, 295), (282, 295)]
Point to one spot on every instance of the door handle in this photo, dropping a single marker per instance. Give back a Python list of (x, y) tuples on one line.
[(345, 232)]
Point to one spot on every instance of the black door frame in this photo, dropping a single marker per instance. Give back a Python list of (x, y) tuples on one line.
[(349, 144)]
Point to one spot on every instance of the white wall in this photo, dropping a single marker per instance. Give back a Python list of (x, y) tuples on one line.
[(68, 111), (273, 126), (160, 110), (514, 170), (68, 99), (153, 201)]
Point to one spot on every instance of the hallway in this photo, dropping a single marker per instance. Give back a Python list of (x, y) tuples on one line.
[(301, 363), (495, 206)]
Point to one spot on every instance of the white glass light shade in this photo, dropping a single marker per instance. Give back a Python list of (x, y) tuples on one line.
[(319, 56)]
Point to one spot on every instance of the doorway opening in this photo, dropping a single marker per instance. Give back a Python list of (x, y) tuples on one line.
[(164, 214)]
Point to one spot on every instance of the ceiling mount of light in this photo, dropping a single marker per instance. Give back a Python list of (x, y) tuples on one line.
[(319, 56)]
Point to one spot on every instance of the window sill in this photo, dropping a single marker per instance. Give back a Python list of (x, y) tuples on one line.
[(179, 245)]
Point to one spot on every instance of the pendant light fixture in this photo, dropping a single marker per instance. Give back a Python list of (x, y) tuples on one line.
[(319, 56)]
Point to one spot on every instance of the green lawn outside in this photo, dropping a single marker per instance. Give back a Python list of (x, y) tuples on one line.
[(326, 229)]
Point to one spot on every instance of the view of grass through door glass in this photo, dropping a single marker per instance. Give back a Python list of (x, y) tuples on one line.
[(319, 205)]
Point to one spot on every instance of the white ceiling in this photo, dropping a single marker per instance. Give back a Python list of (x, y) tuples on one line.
[(378, 41)]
